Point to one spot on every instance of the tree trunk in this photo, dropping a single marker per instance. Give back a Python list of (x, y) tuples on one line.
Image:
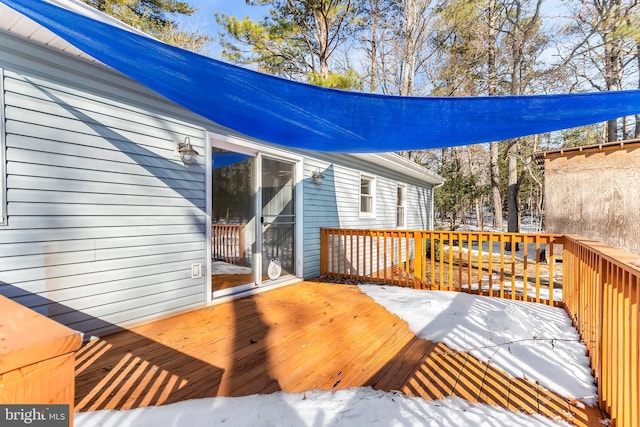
[(513, 212), (636, 133), (612, 64), (492, 84), (375, 22), (492, 80), (513, 221), (496, 199), (409, 57), (476, 200), (322, 39)]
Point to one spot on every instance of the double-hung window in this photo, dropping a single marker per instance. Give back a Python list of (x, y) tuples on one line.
[(367, 196), (401, 206)]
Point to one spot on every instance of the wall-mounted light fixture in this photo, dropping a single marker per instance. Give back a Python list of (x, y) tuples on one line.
[(317, 176), (187, 154)]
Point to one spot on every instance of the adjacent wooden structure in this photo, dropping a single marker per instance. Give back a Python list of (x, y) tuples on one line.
[(36, 358), (593, 192)]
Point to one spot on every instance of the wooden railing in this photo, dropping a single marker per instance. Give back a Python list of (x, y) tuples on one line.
[(227, 243), (597, 285), (458, 261), (600, 293)]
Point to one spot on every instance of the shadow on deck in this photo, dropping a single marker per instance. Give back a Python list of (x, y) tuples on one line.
[(296, 338)]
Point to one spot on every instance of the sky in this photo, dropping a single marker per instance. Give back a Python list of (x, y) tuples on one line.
[(204, 18), (527, 340)]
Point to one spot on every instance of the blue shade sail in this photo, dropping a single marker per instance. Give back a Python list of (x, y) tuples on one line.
[(221, 160), (308, 117)]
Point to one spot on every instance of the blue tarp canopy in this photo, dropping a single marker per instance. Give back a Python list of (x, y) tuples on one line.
[(304, 116)]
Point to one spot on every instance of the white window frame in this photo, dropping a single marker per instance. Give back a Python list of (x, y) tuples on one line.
[(3, 160), (372, 188), (401, 205)]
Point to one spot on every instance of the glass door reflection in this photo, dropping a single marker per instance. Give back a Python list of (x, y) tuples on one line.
[(233, 233)]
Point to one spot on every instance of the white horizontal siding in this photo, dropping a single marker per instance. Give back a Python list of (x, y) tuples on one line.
[(103, 219), (335, 201), (418, 207)]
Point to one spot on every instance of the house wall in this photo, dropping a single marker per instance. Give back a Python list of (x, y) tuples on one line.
[(595, 194), (103, 219), (334, 202)]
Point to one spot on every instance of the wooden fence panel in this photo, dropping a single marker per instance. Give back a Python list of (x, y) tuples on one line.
[(600, 293)]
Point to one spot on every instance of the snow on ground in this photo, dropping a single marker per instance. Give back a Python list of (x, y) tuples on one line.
[(221, 267), (526, 340), (528, 224), (357, 407)]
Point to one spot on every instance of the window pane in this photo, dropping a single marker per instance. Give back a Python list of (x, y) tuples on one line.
[(365, 204), (401, 196), (365, 186), (400, 218)]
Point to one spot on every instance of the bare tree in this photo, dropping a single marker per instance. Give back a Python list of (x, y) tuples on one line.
[(492, 85), (524, 39), (603, 48), (402, 46)]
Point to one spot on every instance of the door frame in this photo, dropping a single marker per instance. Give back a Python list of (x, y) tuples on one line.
[(258, 150)]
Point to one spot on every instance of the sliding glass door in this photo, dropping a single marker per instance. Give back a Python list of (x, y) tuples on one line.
[(278, 218), (253, 221)]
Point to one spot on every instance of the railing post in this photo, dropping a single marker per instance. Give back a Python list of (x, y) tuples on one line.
[(418, 257), (324, 252)]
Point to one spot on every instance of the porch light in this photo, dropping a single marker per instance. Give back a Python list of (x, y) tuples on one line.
[(317, 176), (187, 154)]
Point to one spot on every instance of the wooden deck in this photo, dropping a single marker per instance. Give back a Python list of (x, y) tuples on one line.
[(296, 338)]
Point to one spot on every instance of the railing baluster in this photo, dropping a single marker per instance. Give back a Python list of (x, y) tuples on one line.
[(502, 266), (480, 267), (406, 257), (450, 269), (626, 344), (525, 254), (490, 265), (552, 261), (469, 263), (634, 400), (537, 268), (512, 244), (460, 264)]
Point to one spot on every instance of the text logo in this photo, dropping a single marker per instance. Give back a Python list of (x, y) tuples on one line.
[(34, 415)]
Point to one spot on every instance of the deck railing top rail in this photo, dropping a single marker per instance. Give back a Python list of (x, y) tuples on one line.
[(624, 260)]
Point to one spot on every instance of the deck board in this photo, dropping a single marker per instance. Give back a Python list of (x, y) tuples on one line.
[(296, 338)]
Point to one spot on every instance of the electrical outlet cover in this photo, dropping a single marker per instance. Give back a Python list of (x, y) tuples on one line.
[(196, 270)]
